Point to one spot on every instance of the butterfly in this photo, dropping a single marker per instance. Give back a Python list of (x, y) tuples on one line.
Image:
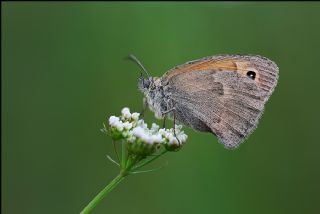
[(222, 94)]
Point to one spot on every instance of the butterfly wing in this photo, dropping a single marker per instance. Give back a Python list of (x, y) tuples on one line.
[(215, 94)]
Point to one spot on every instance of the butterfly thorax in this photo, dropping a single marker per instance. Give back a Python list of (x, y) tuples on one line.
[(156, 94)]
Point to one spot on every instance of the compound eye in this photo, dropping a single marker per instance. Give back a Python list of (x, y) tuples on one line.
[(251, 75)]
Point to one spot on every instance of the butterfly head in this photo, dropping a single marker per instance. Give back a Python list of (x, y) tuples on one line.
[(145, 83)]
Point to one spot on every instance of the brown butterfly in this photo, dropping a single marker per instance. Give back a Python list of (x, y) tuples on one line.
[(222, 94)]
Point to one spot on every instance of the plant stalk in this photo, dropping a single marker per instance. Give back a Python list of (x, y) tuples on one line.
[(96, 200)]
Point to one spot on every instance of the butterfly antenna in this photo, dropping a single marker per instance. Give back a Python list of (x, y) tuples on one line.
[(135, 59)]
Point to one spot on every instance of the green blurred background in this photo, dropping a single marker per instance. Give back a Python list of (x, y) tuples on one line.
[(63, 74)]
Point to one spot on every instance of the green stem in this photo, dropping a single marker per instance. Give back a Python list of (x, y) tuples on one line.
[(123, 155), (128, 163), (149, 160), (96, 200)]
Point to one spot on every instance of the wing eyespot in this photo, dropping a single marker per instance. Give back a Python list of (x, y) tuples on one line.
[(251, 75)]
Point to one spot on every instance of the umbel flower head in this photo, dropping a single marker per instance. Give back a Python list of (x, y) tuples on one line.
[(140, 145), (142, 140)]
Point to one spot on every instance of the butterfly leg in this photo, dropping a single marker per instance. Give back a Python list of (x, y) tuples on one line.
[(164, 121), (174, 127), (144, 107), (165, 113), (174, 122)]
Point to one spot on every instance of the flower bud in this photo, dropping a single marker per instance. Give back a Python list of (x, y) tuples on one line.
[(135, 116), (126, 113)]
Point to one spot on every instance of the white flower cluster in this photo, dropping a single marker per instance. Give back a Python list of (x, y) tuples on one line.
[(171, 139), (129, 127)]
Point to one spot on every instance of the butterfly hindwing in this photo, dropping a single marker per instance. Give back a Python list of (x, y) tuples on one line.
[(219, 97)]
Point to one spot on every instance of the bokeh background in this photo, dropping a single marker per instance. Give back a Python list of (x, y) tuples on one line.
[(63, 74)]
